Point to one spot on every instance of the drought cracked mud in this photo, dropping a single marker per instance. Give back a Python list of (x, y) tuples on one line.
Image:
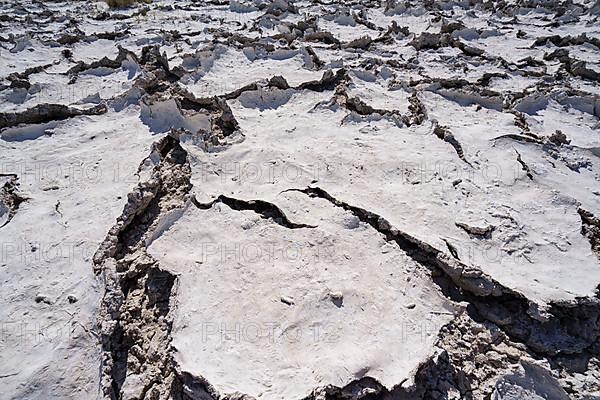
[(134, 316), (300, 200)]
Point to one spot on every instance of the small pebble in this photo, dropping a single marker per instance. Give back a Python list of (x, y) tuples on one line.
[(337, 298), (287, 300), (42, 299)]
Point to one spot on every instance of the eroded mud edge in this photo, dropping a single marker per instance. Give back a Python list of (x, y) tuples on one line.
[(135, 319)]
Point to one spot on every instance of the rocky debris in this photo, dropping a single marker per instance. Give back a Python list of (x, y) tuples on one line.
[(564, 41), (521, 122), (434, 41), (572, 65), (337, 298), (287, 300), (359, 389), (427, 40), (328, 81), (418, 112), (325, 37), (590, 227), (10, 198), (360, 43), (468, 363), (559, 138), (318, 64), (40, 298)]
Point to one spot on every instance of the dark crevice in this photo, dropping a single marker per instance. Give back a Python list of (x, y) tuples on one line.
[(314, 57), (78, 36), (524, 166), (173, 155), (264, 208), (452, 249), (44, 113), (443, 132)]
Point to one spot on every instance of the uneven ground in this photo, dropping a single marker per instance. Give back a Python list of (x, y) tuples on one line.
[(307, 200)]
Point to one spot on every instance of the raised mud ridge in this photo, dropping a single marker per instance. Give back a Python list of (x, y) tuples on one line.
[(134, 322), (46, 113), (590, 227), (10, 199)]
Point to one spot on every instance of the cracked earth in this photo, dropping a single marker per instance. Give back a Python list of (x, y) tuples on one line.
[(300, 200)]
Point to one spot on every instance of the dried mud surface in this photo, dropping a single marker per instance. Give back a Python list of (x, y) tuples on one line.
[(300, 200)]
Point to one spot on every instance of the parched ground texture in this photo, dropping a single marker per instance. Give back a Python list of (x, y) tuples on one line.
[(300, 200)]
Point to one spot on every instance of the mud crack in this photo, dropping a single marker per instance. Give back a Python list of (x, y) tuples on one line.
[(443, 132), (264, 208), (524, 166), (134, 319), (566, 330)]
